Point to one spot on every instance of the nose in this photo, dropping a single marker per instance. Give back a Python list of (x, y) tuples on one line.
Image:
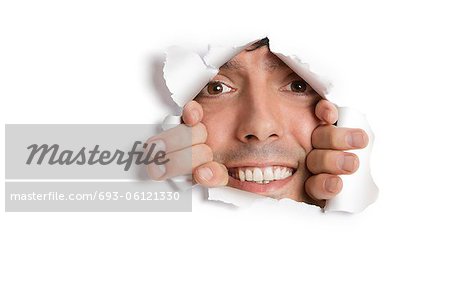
[(260, 118)]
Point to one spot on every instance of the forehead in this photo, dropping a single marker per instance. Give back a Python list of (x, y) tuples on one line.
[(260, 58)]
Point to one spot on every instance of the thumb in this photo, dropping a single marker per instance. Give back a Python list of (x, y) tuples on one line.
[(211, 174), (326, 112), (192, 113)]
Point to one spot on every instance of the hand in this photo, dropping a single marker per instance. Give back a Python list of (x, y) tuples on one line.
[(328, 160), (186, 142), (323, 161)]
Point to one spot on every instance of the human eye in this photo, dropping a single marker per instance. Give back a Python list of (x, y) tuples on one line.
[(297, 86), (215, 88)]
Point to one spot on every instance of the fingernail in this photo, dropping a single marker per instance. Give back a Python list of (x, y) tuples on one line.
[(156, 146), (346, 163), (332, 185), (356, 139), (205, 173), (156, 171)]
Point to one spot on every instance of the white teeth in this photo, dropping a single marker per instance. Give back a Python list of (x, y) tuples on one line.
[(286, 173), (277, 174), (241, 175), (257, 175), (289, 173), (248, 175), (261, 175), (268, 174)]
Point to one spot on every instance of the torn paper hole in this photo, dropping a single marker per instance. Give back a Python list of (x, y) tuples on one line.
[(187, 72)]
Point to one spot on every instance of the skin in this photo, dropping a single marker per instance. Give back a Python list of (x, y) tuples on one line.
[(258, 112)]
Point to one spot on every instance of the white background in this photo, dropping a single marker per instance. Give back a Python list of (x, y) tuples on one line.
[(94, 62)]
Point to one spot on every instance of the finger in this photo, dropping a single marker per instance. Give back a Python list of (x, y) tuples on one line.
[(211, 174), (323, 186), (180, 162), (178, 138), (192, 113), (327, 112), (332, 162), (331, 137)]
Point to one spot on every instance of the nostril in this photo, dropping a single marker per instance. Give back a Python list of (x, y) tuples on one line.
[(251, 137)]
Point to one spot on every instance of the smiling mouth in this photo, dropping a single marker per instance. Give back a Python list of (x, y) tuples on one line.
[(261, 175), (267, 180)]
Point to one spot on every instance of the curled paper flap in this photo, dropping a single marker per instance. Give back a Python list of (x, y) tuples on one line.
[(320, 85), (236, 197), (171, 121), (218, 55), (187, 72), (244, 199), (359, 189)]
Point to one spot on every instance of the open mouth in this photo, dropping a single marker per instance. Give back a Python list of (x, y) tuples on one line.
[(261, 175), (262, 180)]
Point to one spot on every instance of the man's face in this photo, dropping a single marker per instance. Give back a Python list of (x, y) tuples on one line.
[(259, 115)]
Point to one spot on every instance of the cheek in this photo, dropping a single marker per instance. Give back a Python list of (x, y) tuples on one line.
[(302, 127), (218, 122)]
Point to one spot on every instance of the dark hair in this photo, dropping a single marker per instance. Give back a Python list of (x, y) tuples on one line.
[(261, 43)]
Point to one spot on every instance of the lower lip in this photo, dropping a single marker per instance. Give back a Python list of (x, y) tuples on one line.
[(262, 189)]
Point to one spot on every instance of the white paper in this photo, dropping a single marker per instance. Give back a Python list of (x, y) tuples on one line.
[(187, 72), (359, 190), (244, 199)]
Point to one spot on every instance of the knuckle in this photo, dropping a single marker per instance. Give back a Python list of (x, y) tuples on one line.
[(329, 160), (332, 139), (310, 158), (313, 161), (200, 129), (313, 186), (204, 151), (199, 133), (308, 186), (319, 135)]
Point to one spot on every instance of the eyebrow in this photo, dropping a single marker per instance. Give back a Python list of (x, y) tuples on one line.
[(269, 64), (232, 65)]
